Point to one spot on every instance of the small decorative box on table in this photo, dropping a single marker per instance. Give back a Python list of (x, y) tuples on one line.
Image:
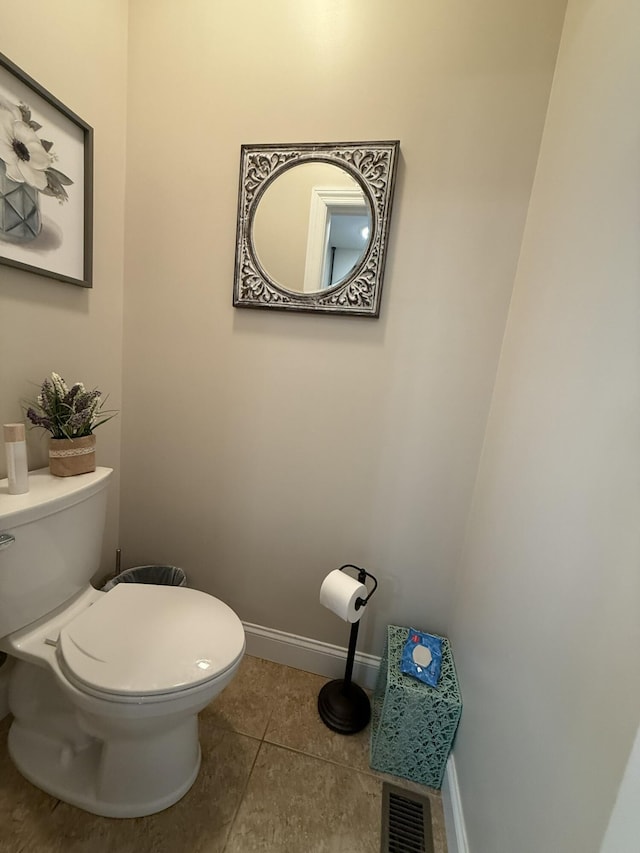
[(413, 725)]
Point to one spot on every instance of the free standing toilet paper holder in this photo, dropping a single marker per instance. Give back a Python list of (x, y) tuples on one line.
[(343, 705)]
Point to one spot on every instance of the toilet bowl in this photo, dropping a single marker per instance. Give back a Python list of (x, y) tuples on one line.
[(106, 686)]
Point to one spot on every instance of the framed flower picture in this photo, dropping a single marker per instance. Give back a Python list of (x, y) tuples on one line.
[(46, 181)]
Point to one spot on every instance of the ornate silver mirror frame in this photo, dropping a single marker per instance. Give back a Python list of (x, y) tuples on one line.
[(372, 165)]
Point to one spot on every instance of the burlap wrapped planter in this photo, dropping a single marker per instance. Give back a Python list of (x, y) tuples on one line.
[(71, 456)]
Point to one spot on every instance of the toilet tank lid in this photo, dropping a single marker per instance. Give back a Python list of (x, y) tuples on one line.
[(48, 495), (143, 639)]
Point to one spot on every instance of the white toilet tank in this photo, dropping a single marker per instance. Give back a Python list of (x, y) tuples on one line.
[(50, 543)]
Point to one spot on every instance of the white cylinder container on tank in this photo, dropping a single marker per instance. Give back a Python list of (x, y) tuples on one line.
[(50, 543)]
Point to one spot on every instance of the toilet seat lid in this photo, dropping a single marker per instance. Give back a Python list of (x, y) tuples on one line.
[(143, 639)]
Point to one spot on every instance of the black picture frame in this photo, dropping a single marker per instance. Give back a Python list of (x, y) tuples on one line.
[(47, 231)]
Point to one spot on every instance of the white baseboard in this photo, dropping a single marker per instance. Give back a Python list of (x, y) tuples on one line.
[(310, 655), (453, 815)]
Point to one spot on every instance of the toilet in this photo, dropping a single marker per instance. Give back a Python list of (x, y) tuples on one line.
[(105, 687)]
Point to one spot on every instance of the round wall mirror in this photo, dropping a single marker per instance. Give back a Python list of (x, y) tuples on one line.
[(313, 223), (312, 227)]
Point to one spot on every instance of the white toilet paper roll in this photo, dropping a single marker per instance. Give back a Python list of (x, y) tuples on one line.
[(339, 592)]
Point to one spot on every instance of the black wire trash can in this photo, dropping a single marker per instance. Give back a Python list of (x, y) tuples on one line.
[(158, 575)]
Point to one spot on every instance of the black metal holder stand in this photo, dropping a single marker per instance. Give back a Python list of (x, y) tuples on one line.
[(344, 706)]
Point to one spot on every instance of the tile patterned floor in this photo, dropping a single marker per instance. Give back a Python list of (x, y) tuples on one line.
[(274, 779)]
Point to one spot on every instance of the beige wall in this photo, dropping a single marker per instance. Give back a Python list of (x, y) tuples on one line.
[(261, 450), (76, 50), (547, 621)]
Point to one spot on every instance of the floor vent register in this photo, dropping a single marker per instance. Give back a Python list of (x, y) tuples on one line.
[(406, 822)]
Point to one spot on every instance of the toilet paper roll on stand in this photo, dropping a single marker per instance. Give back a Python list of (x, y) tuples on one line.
[(344, 706), (343, 595)]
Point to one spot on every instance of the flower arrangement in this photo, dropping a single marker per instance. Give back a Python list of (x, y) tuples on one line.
[(68, 412), (27, 158)]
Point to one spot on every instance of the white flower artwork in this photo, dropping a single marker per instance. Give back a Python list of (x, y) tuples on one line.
[(45, 181)]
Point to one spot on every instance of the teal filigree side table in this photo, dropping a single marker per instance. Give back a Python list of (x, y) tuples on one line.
[(413, 725)]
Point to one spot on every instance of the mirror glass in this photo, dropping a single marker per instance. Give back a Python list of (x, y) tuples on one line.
[(312, 227)]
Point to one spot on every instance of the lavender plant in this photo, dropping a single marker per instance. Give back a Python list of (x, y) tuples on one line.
[(68, 412)]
